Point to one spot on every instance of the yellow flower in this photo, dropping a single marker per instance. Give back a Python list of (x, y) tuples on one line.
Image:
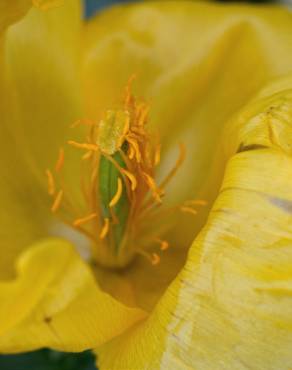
[(216, 78)]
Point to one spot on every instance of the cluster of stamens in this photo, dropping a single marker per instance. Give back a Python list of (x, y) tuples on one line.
[(121, 195)]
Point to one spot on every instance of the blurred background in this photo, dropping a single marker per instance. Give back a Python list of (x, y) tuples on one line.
[(51, 360)]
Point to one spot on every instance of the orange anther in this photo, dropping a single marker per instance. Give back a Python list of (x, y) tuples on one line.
[(135, 146), (105, 229), (57, 201), (155, 259), (60, 160), (131, 152), (51, 182), (118, 194), (164, 245), (83, 220), (188, 210), (131, 177)]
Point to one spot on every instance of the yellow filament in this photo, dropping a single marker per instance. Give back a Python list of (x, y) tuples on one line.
[(188, 210), (83, 220), (104, 229), (57, 201), (152, 185), (118, 194), (143, 116), (181, 157), (131, 177), (60, 161), (51, 182), (83, 145)]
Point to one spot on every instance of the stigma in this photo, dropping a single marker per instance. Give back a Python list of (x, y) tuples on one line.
[(122, 198)]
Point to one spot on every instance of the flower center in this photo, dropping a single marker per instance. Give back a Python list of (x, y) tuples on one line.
[(122, 199)]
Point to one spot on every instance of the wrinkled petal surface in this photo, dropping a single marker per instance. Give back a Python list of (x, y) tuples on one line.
[(230, 306), (54, 302)]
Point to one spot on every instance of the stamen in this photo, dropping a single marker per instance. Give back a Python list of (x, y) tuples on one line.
[(60, 161), (155, 259), (131, 177), (83, 220), (57, 201), (118, 194), (127, 125), (182, 154), (118, 183), (152, 185), (164, 245), (83, 145), (143, 116), (188, 210), (105, 229), (131, 152), (135, 146), (51, 182)]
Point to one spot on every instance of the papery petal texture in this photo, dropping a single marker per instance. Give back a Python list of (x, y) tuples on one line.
[(230, 306), (54, 302)]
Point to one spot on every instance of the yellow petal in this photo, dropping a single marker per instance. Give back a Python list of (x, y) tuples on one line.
[(54, 302), (42, 63), (12, 11), (231, 305), (39, 98), (217, 57)]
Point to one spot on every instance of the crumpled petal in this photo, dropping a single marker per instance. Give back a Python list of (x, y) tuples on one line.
[(196, 64), (231, 305), (54, 302), (39, 99)]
